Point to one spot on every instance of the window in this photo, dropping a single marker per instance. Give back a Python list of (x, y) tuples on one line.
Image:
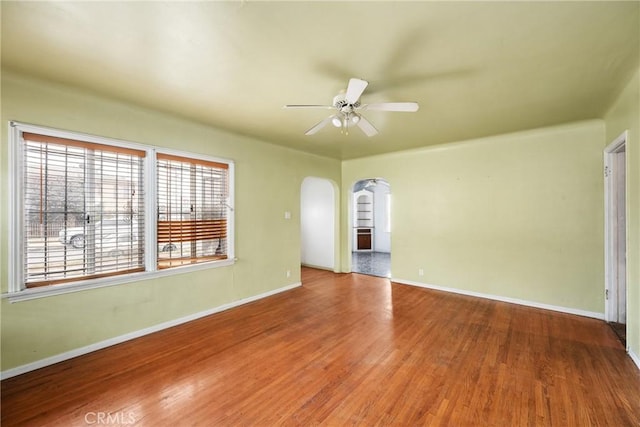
[(89, 211), (192, 210), (83, 210)]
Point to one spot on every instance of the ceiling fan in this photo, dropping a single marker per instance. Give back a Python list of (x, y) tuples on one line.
[(348, 109)]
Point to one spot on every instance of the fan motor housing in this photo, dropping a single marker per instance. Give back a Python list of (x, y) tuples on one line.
[(341, 104)]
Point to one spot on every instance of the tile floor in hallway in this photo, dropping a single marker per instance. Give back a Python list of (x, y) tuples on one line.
[(371, 263)]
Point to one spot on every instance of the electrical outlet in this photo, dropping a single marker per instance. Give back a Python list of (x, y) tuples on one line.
[(420, 272), (288, 273), (287, 215)]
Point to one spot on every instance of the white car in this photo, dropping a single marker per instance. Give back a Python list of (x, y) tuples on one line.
[(75, 236), (111, 235)]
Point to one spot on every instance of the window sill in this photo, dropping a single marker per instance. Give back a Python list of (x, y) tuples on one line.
[(53, 290)]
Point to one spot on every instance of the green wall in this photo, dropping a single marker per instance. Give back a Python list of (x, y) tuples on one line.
[(268, 180), (625, 115), (517, 216)]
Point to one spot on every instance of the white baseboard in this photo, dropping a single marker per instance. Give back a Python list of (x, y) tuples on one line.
[(318, 267), (568, 310), (634, 357), (135, 334)]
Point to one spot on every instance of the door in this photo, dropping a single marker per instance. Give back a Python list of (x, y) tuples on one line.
[(621, 230)]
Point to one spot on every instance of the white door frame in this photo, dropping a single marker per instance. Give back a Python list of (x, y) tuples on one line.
[(612, 172)]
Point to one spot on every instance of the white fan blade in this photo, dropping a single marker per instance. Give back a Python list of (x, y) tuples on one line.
[(326, 107), (319, 126), (354, 90), (409, 107), (367, 127)]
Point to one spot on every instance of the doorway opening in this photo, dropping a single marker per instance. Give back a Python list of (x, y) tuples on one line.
[(615, 236), (317, 223), (371, 236)]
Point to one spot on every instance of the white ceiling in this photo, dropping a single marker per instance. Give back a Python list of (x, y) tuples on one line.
[(476, 68)]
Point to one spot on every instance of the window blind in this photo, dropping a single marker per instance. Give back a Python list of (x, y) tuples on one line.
[(192, 210), (83, 210)]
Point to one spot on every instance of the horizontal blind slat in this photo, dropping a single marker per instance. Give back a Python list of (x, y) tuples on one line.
[(76, 279), (165, 156), (185, 231), (28, 136)]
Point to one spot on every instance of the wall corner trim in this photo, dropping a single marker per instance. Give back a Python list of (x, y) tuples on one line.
[(635, 358), (533, 304), (12, 372)]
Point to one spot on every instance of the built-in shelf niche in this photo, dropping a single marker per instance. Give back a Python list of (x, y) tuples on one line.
[(363, 220), (364, 209)]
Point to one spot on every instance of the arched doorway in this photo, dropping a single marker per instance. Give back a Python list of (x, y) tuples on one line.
[(371, 237), (317, 223)]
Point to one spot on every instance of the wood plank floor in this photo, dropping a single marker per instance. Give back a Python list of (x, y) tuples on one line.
[(346, 350)]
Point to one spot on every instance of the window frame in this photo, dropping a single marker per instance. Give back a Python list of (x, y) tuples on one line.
[(17, 290)]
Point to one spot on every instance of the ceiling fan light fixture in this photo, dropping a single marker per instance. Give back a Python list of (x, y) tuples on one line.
[(347, 106)]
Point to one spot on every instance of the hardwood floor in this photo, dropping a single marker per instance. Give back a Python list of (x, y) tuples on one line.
[(346, 350)]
